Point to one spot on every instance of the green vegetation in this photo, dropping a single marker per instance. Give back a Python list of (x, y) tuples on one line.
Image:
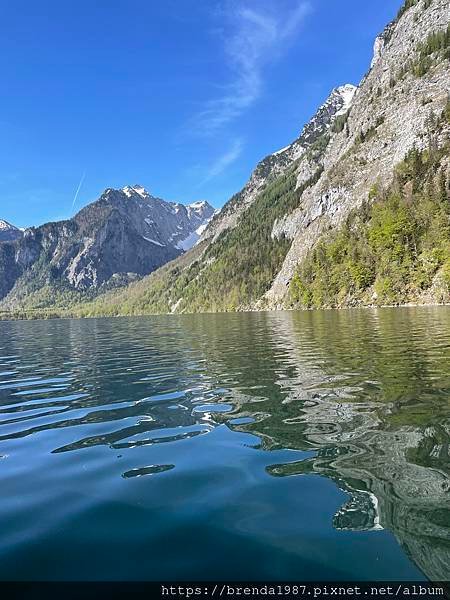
[(239, 267), (317, 148), (389, 250), (233, 272), (406, 6), (340, 122), (409, 4), (435, 49)]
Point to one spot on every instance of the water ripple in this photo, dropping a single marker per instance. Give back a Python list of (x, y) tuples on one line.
[(259, 435)]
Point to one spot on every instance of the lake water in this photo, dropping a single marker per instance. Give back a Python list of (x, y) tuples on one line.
[(292, 445)]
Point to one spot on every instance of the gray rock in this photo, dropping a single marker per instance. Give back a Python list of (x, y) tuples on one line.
[(8, 232), (338, 103), (397, 115), (123, 235)]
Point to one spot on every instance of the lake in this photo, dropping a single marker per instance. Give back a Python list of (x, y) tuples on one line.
[(261, 446)]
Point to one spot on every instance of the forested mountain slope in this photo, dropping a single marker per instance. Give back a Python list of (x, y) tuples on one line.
[(354, 212)]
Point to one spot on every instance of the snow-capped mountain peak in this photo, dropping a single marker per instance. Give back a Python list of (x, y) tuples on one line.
[(8, 232), (199, 213), (338, 103), (123, 235), (200, 209), (200, 204), (5, 225), (346, 93), (132, 190), (167, 224)]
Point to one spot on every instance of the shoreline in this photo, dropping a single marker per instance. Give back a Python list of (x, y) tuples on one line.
[(40, 316)]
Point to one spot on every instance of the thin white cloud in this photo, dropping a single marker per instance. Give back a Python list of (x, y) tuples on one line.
[(253, 34), (223, 162)]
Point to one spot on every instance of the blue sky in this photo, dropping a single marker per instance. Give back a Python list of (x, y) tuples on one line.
[(181, 96)]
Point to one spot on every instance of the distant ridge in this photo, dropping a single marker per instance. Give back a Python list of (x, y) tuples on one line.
[(122, 236)]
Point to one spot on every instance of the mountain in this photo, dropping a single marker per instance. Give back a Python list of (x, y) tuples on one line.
[(165, 223), (354, 212), (8, 232), (125, 234), (310, 139)]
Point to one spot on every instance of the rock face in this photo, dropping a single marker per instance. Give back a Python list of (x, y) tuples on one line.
[(337, 104), (251, 249), (125, 234), (8, 232), (165, 223), (395, 110), (351, 146), (380, 43)]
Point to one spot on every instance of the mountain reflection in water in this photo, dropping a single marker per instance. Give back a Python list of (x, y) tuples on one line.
[(196, 432), (383, 439)]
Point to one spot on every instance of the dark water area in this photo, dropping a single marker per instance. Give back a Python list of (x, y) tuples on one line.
[(309, 445)]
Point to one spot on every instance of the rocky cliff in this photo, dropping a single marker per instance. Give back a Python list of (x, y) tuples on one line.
[(336, 105), (8, 232), (355, 211), (390, 114), (125, 234)]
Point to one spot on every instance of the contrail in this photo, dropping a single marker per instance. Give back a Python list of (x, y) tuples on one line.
[(78, 190)]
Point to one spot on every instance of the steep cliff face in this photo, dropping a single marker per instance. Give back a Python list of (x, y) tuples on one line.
[(336, 105), (304, 193), (390, 114), (125, 234), (387, 138)]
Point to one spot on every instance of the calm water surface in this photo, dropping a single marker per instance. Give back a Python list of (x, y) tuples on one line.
[(253, 446)]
